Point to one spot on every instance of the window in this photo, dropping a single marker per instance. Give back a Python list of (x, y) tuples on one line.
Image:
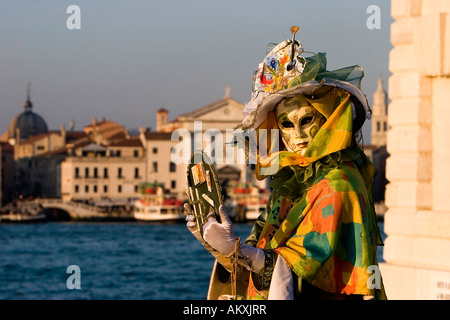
[(136, 153), (155, 166), (119, 188), (105, 172), (77, 172), (40, 147), (77, 189), (155, 150), (172, 167), (95, 173), (86, 188), (173, 184), (95, 188), (119, 173), (86, 172), (136, 189), (118, 153), (378, 126), (385, 126), (105, 188), (136, 172)]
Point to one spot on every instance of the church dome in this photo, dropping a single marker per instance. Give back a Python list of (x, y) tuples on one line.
[(28, 122)]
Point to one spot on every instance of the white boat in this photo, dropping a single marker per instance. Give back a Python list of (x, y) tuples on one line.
[(154, 205), (30, 215), (247, 200), (157, 213), (253, 211)]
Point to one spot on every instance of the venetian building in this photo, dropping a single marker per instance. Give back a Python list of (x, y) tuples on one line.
[(417, 222), (379, 116), (6, 172), (210, 127), (379, 153), (26, 124), (104, 163)]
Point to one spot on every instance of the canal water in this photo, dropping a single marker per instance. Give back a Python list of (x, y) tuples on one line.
[(129, 261)]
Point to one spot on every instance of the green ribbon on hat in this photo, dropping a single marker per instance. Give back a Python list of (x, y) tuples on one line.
[(315, 69)]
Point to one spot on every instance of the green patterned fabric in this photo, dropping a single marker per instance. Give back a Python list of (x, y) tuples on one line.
[(326, 232)]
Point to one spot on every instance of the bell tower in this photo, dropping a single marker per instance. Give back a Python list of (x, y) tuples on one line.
[(379, 116), (161, 118)]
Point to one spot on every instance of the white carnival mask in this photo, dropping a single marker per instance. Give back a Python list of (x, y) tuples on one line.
[(298, 122)]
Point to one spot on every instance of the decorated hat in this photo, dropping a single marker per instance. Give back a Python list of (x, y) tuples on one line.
[(288, 70)]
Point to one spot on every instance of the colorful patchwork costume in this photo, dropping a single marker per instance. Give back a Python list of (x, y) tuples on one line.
[(320, 220), (327, 235)]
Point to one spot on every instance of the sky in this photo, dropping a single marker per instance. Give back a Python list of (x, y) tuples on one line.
[(131, 58)]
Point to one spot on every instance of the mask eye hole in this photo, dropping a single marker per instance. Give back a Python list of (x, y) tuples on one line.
[(287, 124), (306, 120)]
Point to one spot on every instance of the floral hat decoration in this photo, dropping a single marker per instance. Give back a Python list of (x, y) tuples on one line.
[(286, 72)]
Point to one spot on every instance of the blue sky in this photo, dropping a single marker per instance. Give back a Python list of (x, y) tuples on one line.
[(133, 57)]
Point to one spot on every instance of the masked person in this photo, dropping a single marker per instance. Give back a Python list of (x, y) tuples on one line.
[(318, 237)]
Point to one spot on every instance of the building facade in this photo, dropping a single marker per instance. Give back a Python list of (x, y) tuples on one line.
[(107, 165), (208, 128), (96, 172), (417, 222), (6, 172), (159, 167)]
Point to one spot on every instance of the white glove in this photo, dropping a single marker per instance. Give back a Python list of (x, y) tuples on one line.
[(191, 223), (221, 237)]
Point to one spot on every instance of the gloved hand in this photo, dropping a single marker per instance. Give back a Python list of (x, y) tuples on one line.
[(250, 257), (221, 237), (192, 223), (193, 228)]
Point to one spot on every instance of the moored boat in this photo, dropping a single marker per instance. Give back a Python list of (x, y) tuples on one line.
[(156, 205), (247, 200), (22, 215)]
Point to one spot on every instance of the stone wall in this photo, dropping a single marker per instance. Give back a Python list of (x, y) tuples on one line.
[(417, 223)]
